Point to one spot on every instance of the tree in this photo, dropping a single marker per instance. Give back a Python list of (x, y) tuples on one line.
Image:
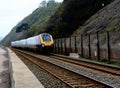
[(22, 27), (51, 3), (43, 3)]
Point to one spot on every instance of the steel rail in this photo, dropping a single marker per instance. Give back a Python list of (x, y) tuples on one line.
[(65, 79)]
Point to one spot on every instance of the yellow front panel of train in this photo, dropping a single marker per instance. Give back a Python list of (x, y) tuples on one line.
[(50, 43)]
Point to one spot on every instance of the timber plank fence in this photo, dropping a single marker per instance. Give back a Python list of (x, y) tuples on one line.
[(100, 46)]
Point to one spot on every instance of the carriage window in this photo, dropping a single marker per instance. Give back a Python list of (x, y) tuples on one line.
[(46, 38)]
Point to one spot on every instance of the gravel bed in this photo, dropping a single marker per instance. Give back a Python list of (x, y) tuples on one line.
[(44, 77), (93, 74), (86, 72)]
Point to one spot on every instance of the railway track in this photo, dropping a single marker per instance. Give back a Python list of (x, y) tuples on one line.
[(70, 78), (92, 65)]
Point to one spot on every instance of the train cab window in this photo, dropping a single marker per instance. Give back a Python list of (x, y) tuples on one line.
[(46, 38)]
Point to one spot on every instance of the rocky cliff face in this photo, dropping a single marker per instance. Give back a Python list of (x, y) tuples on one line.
[(107, 19)]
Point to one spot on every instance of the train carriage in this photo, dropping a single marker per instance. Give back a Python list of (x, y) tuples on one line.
[(42, 43)]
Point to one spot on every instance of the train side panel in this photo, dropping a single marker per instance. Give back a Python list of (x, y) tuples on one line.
[(42, 43)]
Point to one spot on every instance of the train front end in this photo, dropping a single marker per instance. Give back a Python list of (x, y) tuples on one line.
[(47, 42)]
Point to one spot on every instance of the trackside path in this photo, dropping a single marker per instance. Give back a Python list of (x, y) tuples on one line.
[(21, 76), (4, 69)]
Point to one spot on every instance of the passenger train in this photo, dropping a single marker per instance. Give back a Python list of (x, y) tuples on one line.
[(42, 43)]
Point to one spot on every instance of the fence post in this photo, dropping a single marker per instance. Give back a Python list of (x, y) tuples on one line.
[(108, 45), (58, 47), (81, 45), (70, 44), (98, 48), (55, 46), (89, 46), (75, 45), (65, 45), (61, 47)]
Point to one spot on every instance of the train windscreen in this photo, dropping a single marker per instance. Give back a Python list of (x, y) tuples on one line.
[(46, 38)]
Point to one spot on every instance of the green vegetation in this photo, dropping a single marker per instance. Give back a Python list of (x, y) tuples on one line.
[(104, 61), (36, 21), (117, 29), (71, 15), (60, 20), (117, 63)]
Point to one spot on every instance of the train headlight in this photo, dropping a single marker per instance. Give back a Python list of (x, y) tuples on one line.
[(43, 45)]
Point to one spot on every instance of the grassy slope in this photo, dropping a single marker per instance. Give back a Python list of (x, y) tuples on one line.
[(37, 20)]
